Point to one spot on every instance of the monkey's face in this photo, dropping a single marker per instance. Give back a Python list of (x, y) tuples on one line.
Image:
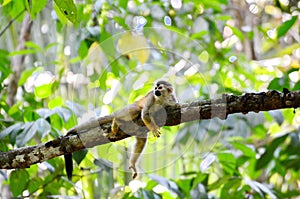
[(161, 90)]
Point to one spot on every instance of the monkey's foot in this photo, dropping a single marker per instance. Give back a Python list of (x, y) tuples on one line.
[(114, 131), (156, 133), (134, 171), (110, 135)]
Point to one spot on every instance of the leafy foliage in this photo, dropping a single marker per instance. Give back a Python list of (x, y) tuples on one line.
[(109, 55), (68, 9)]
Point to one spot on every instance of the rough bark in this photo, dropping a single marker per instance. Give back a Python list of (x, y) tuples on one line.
[(91, 133)]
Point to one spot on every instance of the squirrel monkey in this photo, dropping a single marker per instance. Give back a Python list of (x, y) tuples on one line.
[(162, 95)]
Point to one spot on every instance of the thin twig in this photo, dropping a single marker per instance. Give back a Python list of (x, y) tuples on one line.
[(11, 21)]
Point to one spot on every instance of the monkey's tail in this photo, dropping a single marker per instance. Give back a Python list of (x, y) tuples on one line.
[(69, 165), (79, 129)]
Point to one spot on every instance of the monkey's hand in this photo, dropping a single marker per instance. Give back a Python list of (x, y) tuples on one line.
[(156, 133), (152, 127)]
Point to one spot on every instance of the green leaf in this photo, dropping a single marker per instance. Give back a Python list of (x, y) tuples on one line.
[(23, 52), (123, 4), (172, 186), (5, 70), (34, 184), (68, 9), (204, 56), (201, 178), (37, 6), (121, 22), (279, 83), (75, 60), (237, 32), (213, 4), (102, 80), (55, 132), (33, 45), (3, 148), (29, 114), (43, 91), (56, 121), (15, 109), (80, 155), (107, 44), (83, 49), (43, 127), (50, 45), (199, 35), (26, 74), (63, 113), (58, 101), (71, 122), (268, 155), (223, 17), (149, 194), (13, 128), (44, 112), (296, 87), (5, 2), (232, 185), (185, 185), (213, 29), (30, 129), (17, 7), (27, 6), (244, 149), (284, 28), (18, 180), (77, 109), (150, 185), (228, 162)]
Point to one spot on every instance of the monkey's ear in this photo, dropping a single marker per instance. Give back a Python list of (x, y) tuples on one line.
[(169, 89)]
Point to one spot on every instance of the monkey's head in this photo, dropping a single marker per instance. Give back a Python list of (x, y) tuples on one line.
[(163, 89)]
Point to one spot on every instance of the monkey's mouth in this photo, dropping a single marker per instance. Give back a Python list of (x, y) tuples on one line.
[(157, 93)]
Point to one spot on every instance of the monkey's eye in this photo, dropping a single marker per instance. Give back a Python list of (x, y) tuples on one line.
[(155, 88), (160, 87)]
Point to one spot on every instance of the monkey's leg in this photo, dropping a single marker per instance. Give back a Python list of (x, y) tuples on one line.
[(128, 113), (138, 148)]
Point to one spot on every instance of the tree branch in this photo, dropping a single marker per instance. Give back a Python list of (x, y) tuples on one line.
[(91, 133)]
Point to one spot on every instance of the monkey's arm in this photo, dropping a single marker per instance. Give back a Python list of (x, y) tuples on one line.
[(148, 119)]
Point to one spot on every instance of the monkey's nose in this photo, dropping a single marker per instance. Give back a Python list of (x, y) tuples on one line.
[(157, 93)]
